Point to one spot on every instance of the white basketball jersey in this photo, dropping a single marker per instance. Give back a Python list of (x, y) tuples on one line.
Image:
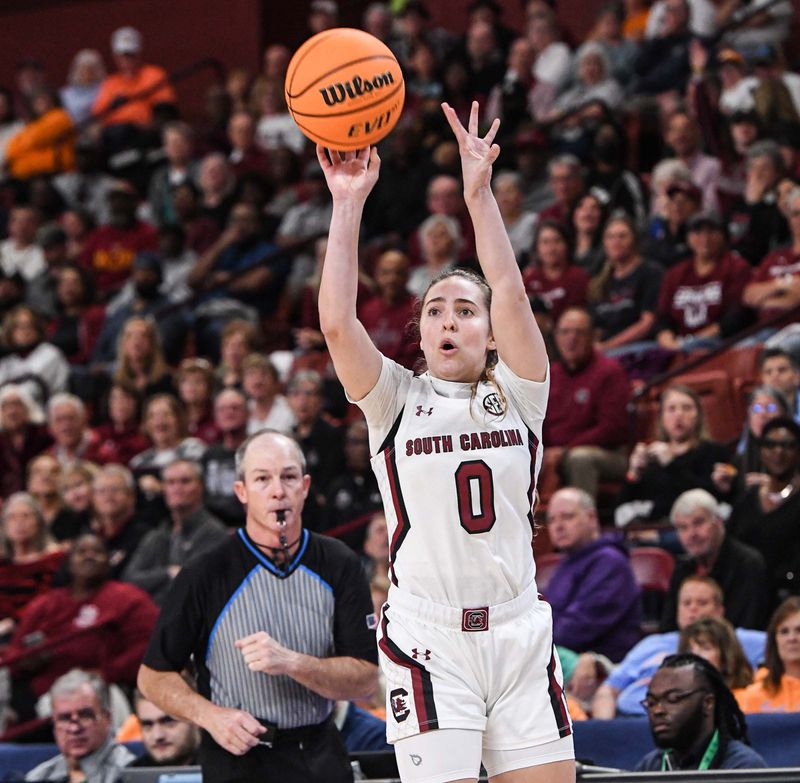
[(457, 478)]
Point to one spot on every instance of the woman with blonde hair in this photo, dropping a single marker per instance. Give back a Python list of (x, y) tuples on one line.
[(140, 359), (86, 74), (29, 558), (680, 458)]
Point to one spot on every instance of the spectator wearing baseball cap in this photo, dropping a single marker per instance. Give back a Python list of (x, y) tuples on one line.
[(667, 241), (135, 88), (701, 298)]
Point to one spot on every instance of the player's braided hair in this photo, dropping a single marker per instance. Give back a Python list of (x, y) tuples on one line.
[(729, 719), (491, 358)]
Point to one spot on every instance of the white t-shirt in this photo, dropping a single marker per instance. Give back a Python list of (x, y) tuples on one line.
[(457, 477), (28, 261), (280, 417)]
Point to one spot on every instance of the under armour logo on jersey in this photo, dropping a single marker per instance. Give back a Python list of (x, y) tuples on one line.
[(415, 759), (399, 705), (421, 410), (493, 404), (424, 654)]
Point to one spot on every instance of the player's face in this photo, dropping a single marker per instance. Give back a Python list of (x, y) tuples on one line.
[(455, 331), (167, 740), (700, 532), (696, 600), (273, 481)]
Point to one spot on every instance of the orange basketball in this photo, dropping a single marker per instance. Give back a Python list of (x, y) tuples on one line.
[(344, 89)]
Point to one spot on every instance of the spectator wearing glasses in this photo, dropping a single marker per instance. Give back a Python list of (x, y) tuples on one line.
[(766, 515), (82, 729), (764, 404), (694, 720)]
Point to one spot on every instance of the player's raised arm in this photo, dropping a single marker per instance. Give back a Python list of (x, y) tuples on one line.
[(350, 177), (519, 342)]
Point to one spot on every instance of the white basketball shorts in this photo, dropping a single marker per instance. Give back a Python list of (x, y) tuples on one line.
[(493, 669)]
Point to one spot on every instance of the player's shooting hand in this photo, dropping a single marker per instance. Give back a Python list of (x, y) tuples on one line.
[(235, 730), (262, 653), (350, 175), (477, 154)]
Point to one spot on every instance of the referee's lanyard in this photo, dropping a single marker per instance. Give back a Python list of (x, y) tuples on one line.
[(705, 762)]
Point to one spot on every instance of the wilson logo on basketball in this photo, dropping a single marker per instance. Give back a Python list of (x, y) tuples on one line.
[(355, 88)]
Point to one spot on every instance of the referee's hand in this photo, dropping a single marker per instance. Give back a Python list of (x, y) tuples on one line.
[(262, 653), (235, 730)]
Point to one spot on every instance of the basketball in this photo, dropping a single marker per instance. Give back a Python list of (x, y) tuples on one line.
[(344, 89)]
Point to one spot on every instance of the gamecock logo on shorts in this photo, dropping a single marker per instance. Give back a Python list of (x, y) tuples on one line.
[(475, 619), (398, 701)]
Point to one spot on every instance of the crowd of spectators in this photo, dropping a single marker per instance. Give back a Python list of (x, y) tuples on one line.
[(158, 284)]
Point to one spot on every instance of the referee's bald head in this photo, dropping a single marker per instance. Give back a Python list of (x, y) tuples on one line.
[(268, 435)]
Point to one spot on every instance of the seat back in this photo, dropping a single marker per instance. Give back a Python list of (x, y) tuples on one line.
[(652, 568)]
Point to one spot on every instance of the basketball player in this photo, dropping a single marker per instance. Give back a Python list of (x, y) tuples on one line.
[(465, 642)]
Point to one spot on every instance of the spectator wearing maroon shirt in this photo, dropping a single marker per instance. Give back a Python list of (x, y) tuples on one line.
[(201, 231), (94, 623), (568, 183), (121, 438), (29, 558), (387, 314), (701, 298), (775, 285), (551, 276), (110, 249), (586, 414), (245, 156), (196, 383)]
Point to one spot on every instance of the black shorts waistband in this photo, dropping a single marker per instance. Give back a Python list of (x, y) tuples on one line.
[(297, 734)]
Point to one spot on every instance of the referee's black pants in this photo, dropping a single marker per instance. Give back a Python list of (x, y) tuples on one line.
[(319, 756)]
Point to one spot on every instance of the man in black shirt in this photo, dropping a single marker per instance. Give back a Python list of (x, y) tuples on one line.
[(280, 624), (738, 569)]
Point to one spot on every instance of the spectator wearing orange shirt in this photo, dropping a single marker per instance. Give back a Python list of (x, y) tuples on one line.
[(46, 144), (136, 88)]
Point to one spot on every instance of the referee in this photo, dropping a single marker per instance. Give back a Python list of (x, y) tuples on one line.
[(278, 621)]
